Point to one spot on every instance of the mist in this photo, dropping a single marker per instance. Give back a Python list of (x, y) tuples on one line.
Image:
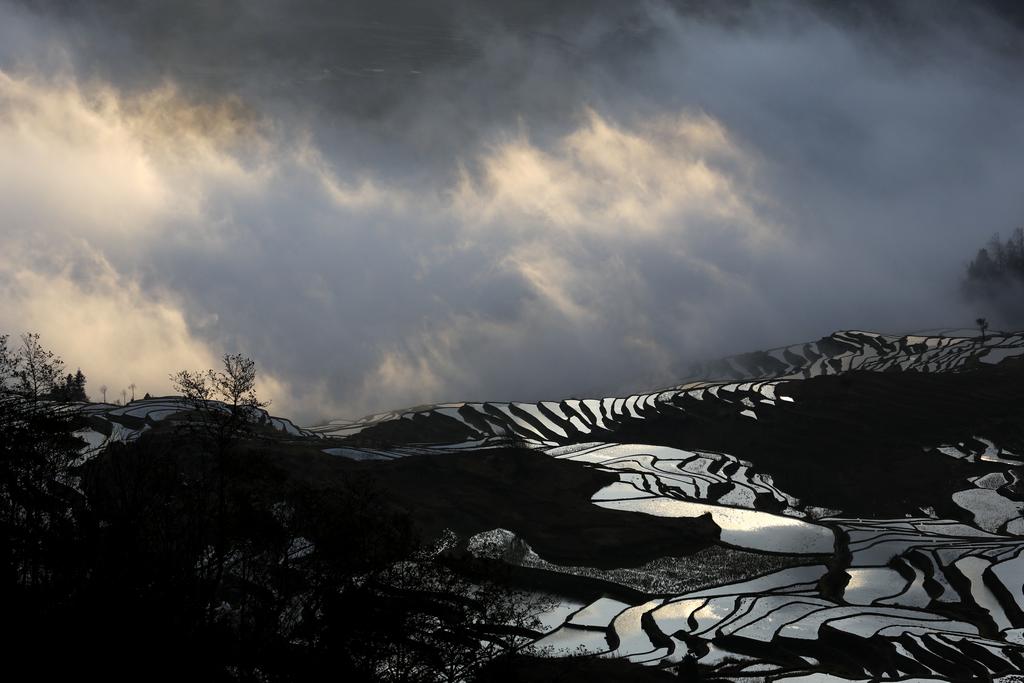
[(388, 204)]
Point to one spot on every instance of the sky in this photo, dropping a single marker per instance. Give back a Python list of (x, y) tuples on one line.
[(390, 203)]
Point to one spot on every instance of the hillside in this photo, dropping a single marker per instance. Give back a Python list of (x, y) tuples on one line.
[(851, 508)]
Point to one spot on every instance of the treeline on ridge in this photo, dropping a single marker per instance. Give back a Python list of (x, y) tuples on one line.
[(995, 277)]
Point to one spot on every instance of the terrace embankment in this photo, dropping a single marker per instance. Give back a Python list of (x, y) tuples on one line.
[(544, 500), (862, 442)]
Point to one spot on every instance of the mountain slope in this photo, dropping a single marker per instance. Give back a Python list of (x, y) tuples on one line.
[(865, 492)]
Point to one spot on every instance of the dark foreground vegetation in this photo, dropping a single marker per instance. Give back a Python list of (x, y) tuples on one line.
[(215, 548), (193, 554)]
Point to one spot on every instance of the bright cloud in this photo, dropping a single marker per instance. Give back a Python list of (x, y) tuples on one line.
[(514, 218), (118, 183)]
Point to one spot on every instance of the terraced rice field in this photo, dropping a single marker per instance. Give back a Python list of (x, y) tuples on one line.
[(867, 491)]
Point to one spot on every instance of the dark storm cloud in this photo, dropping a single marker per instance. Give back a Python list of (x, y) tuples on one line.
[(405, 202)]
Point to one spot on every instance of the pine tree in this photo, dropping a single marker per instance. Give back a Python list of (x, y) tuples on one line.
[(72, 389), (80, 394), (995, 278)]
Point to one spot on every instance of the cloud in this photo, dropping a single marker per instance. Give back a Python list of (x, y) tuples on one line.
[(608, 180), (568, 203), (275, 253), (118, 334)]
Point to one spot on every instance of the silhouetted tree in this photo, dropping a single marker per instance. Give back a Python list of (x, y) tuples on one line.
[(224, 400), (224, 409), (983, 326), (983, 267), (996, 276), (71, 389), (78, 387), (36, 369), (38, 501)]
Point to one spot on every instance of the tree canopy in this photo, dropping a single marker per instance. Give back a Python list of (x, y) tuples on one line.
[(995, 277)]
